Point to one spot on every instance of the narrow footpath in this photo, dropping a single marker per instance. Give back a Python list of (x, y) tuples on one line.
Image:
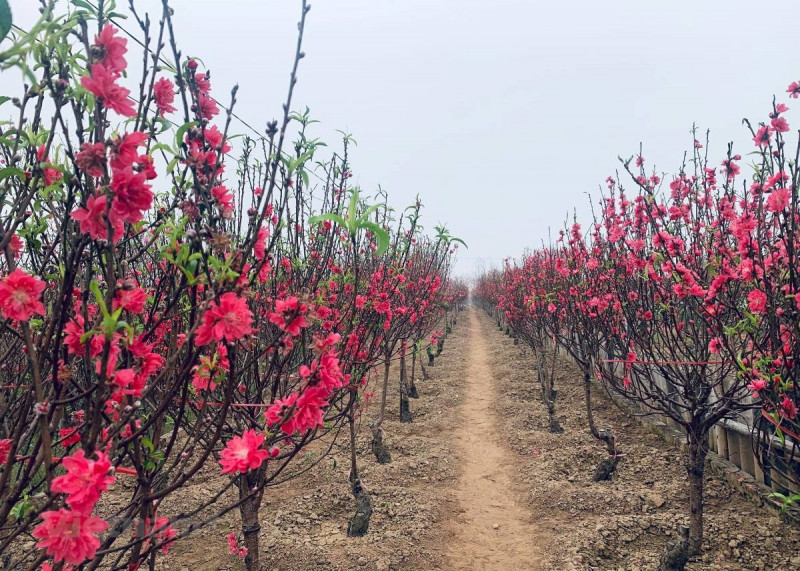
[(492, 530)]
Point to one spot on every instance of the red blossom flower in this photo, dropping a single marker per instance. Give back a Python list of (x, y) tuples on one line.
[(260, 247), (787, 409), (213, 138), (243, 453), (130, 299), (793, 90), (225, 199), (15, 246), (132, 195), (113, 49), (289, 315), (778, 200), (84, 481), (757, 301), (92, 219), (102, 84), (5, 449), (69, 536), (91, 159), (125, 149), (164, 94), (69, 436), (757, 385), (51, 175), (20, 296), (763, 136), (231, 319), (145, 164), (162, 532), (73, 332), (780, 124), (206, 106)]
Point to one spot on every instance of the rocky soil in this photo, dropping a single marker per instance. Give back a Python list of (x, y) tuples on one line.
[(623, 524)]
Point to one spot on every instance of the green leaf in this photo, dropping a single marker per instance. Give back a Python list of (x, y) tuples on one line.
[(11, 171), (5, 19), (160, 147), (351, 210), (98, 297), (381, 235), (781, 436), (182, 131), (368, 212), (84, 5), (21, 509), (329, 216)]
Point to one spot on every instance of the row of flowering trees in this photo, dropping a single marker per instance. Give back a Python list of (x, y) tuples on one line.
[(166, 307), (682, 296)]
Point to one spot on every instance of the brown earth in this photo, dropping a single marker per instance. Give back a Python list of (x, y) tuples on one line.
[(492, 529), (478, 482)]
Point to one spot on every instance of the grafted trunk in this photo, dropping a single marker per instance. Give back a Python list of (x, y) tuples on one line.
[(250, 523), (359, 523), (377, 445), (412, 385), (696, 467), (676, 554), (548, 392), (605, 470), (405, 405), (382, 455)]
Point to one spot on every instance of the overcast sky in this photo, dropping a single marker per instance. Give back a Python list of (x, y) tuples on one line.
[(501, 114)]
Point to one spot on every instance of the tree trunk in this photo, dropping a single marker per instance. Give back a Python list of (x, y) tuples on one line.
[(548, 393), (382, 455), (696, 469), (606, 469), (378, 448), (250, 523), (405, 405), (359, 523), (412, 388), (387, 363)]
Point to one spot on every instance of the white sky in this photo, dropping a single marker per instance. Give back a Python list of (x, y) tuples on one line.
[(501, 114)]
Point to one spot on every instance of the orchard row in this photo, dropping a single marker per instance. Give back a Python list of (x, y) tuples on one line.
[(168, 304), (683, 296)]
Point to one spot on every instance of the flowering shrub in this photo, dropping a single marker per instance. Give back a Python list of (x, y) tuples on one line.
[(683, 300), (161, 311)]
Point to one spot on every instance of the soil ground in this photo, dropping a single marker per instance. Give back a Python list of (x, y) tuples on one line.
[(478, 482)]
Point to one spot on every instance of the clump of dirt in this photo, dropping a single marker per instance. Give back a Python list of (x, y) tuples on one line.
[(624, 523)]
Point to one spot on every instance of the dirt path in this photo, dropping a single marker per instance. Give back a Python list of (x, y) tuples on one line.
[(492, 531)]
